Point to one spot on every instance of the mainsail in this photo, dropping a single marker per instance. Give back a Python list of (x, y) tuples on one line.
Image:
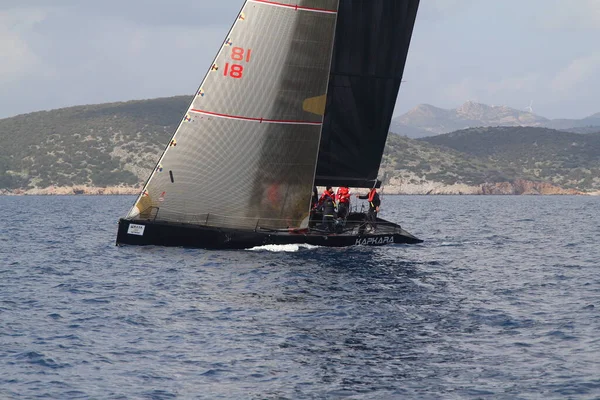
[(371, 44), (245, 153)]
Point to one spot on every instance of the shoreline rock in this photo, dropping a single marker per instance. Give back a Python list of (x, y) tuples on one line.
[(73, 190), (394, 187), (517, 187)]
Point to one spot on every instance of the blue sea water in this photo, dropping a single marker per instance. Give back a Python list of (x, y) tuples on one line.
[(501, 301)]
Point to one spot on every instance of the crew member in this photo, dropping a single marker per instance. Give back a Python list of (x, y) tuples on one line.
[(327, 203), (374, 203), (314, 199), (343, 199)]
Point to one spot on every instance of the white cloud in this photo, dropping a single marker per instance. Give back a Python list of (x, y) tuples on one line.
[(17, 59), (441, 9), (68, 52), (59, 57), (458, 92), (580, 15), (577, 73), (517, 84)]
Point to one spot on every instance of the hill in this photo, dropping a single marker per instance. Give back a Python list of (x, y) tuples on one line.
[(419, 162), (117, 145), (566, 159), (427, 120), (98, 145)]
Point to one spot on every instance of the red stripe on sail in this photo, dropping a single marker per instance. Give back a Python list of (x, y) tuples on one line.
[(295, 7), (260, 120)]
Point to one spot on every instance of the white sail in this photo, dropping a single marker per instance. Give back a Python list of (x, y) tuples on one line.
[(246, 150)]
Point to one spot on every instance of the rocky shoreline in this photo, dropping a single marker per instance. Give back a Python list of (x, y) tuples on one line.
[(72, 190), (517, 187), (395, 186)]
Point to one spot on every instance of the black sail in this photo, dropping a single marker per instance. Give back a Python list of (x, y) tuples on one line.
[(371, 45)]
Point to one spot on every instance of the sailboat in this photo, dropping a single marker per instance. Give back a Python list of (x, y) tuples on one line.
[(300, 94)]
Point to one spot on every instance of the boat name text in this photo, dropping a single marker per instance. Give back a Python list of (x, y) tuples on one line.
[(374, 241)]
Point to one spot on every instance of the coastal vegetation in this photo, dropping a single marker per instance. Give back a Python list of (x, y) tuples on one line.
[(117, 144)]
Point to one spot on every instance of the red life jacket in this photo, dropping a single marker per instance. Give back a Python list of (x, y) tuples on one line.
[(343, 195), (371, 195), (325, 195)]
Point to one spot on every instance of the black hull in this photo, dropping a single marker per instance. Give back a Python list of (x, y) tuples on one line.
[(208, 237)]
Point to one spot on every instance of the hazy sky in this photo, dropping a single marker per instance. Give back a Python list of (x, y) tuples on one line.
[(58, 53)]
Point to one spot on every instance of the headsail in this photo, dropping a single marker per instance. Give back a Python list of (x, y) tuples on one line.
[(371, 45), (245, 153)]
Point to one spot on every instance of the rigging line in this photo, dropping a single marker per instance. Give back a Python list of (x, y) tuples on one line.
[(252, 119), (295, 7)]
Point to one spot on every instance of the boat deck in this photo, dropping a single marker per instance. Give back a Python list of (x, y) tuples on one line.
[(355, 224)]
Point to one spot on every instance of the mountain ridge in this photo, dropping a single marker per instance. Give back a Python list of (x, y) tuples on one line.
[(427, 120)]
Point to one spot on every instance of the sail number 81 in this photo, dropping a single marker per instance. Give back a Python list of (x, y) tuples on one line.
[(236, 71)]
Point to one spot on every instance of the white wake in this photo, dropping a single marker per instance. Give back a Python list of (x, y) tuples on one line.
[(288, 248)]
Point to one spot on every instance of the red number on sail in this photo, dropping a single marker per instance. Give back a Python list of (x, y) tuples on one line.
[(236, 71), (237, 53)]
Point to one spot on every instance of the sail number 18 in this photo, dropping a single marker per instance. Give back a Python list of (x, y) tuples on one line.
[(236, 71)]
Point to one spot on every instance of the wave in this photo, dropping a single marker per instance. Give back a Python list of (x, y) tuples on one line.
[(287, 248)]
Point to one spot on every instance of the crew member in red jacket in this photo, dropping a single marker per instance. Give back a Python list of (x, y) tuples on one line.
[(327, 203), (343, 199), (374, 203)]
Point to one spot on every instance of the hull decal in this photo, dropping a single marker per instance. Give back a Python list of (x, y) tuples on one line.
[(372, 241)]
